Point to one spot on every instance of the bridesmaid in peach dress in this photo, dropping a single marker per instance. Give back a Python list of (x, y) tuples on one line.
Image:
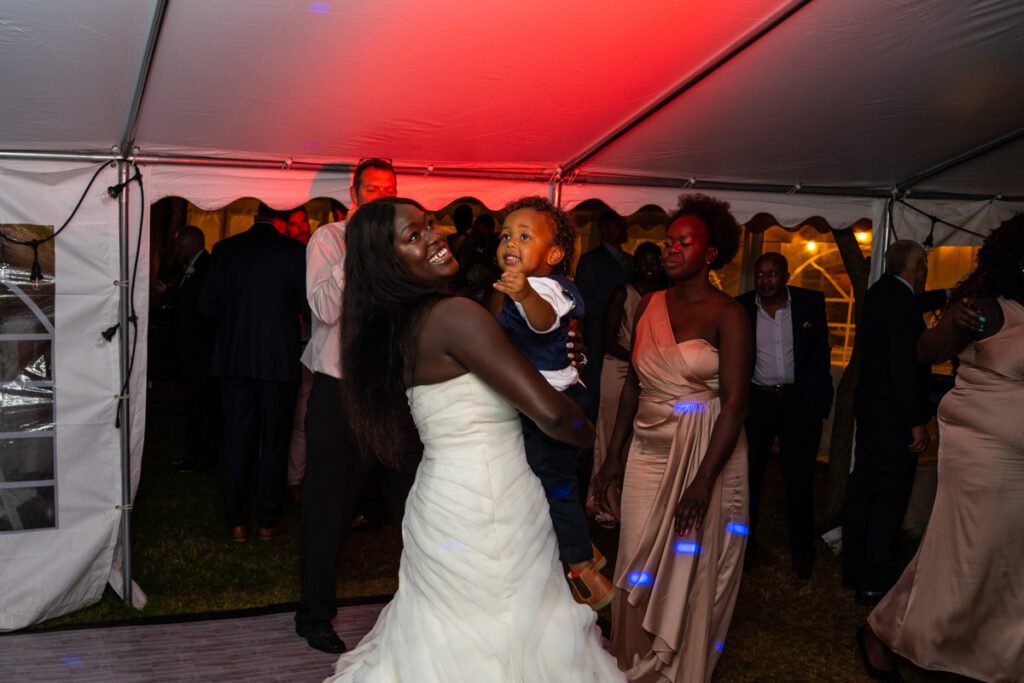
[(683, 494), (959, 606)]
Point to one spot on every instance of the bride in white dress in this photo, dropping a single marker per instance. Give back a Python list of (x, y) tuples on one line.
[(481, 596)]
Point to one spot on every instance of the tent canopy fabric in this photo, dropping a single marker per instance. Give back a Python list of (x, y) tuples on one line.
[(830, 93), (794, 109)]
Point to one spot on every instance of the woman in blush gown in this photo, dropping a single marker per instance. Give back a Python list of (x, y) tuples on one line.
[(684, 495), (959, 605), (481, 595)]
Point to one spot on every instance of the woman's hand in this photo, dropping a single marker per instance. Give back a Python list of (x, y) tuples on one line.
[(608, 486), (693, 505)]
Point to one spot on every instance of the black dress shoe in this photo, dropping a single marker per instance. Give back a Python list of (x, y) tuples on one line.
[(322, 637), (891, 675), (868, 598)]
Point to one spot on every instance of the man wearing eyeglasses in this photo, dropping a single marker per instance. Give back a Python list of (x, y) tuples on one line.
[(335, 474), (790, 396)]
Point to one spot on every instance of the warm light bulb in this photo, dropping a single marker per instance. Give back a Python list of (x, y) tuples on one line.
[(862, 236), (812, 246)]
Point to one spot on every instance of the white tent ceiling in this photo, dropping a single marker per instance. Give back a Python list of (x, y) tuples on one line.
[(843, 94)]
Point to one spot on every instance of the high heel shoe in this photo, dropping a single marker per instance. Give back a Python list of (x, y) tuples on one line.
[(891, 675)]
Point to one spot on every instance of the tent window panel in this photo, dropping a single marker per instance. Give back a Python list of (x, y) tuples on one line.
[(28, 508), (27, 460), (25, 361), (26, 409), (23, 460)]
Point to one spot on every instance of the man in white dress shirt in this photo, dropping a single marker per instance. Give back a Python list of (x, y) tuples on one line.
[(790, 396), (335, 472)]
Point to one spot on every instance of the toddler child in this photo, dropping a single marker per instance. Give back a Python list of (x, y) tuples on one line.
[(535, 251)]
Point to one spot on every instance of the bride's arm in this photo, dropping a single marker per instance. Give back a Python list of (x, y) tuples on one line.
[(463, 331)]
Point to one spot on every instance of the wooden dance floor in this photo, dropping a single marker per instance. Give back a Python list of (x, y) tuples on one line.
[(253, 647)]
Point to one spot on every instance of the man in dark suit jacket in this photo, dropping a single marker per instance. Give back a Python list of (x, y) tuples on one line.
[(193, 334), (791, 394), (892, 415), (600, 272), (256, 290)]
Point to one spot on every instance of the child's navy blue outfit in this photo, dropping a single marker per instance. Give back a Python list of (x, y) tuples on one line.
[(552, 461)]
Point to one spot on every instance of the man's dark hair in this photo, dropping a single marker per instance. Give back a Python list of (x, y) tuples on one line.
[(382, 309), (463, 218), (780, 261), (266, 214), (723, 230), (607, 219), (375, 162), (565, 229), (192, 235)]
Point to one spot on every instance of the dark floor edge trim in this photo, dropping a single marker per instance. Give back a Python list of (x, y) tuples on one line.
[(199, 616)]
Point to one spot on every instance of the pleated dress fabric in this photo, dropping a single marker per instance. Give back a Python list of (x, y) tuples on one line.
[(677, 594), (959, 605), (481, 593)]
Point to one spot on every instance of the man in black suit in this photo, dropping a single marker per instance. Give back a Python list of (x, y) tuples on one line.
[(255, 289), (192, 334), (892, 415), (600, 272), (791, 394)]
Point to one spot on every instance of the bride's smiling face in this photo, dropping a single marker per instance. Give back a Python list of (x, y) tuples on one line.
[(420, 248)]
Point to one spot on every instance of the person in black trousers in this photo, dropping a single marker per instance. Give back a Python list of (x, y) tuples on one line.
[(336, 474), (791, 394), (892, 411), (254, 289), (192, 334)]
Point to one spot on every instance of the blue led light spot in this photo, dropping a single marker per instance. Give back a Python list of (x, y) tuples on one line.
[(719, 646), (562, 492), (687, 407), (72, 660), (687, 548), (639, 579), (319, 8), (737, 528)]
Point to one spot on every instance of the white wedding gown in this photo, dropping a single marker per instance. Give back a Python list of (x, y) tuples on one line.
[(481, 597)]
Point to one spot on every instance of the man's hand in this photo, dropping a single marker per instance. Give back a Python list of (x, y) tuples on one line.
[(159, 286), (919, 438), (515, 285)]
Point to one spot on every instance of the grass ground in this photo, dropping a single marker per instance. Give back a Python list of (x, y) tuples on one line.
[(784, 629)]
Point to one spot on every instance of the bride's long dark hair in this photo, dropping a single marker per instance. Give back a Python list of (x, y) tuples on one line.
[(382, 308)]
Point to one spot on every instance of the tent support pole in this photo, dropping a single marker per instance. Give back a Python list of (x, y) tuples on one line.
[(132, 123), (880, 240), (58, 156), (665, 100), (124, 413), (959, 159)]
